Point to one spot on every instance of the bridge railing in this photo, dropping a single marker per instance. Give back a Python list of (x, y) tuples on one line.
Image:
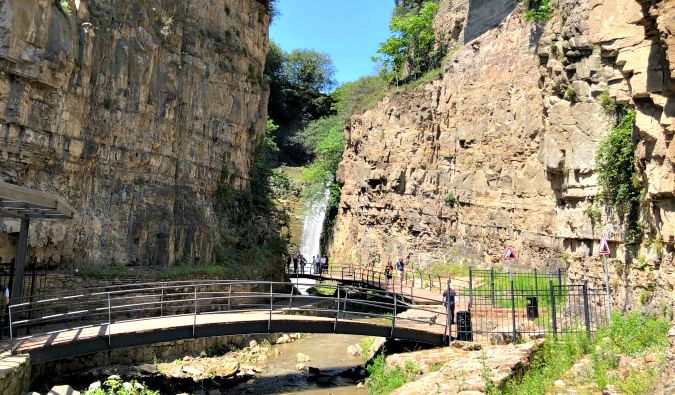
[(104, 308), (377, 278)]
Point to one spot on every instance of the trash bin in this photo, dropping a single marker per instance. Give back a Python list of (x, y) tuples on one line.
[(532, 307), (464, 331)]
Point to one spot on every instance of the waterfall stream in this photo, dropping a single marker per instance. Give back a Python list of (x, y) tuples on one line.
[(310, 238)]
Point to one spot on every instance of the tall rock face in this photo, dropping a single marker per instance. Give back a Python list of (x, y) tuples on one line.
[(131, 111), (500, 151)]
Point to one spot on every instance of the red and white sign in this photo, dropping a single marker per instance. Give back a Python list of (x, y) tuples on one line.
[(604, 247), (509, 254)]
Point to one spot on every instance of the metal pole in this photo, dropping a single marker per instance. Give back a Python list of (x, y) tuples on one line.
[(229, 297), (536, 288), (609, 320), (109, 322), (393, 318), (510, 272), (11, 332), (513, 313), (448, 319), (194, 322), (555, 329), (440, 286), (560, 284), (412, 287), (161, 303), (492, 287), (19, 265), (586, 316), (290, 300), (337, 312), (470, 287), (269, 323)]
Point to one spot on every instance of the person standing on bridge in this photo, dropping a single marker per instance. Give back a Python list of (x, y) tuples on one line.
[(5, 291), (400, 269), (303, 262), (388, 270), (324, 263), (450, 296), (296, 258)]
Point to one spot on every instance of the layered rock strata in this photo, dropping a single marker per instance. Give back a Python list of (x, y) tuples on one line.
[(130, 111)]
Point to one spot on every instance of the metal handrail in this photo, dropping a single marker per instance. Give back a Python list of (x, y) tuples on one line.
[(151, 301)]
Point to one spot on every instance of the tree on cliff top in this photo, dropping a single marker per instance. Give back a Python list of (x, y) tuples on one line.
[(413, 49), (299, 83)]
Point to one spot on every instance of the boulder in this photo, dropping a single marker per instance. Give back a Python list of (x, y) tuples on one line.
[(252, 343), (300, 367), (191, 370), (63, 390), (148, 368), (354, 350), (302, 357), (229, 369), (467, 346)]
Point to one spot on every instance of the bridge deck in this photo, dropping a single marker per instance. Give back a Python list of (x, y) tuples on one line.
[(153, 330), (417, 295)]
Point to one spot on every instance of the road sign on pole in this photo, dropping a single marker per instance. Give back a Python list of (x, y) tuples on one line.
[(509, 255), (604, 251)]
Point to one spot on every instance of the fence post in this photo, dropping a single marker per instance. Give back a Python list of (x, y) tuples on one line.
[(513, 313), (194, 322), (344, 308), (492, 286), (393, 318), (161, 304), (229, 298), (586, 315), (109, 323), (269, 323), (559, 283), (412, 288), (470, 286), (553, 318), (337, 312), (536, 288), (448, 319), (440, 285)]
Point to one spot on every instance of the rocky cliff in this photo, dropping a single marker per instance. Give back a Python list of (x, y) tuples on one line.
[(500, 151), (130, 111)]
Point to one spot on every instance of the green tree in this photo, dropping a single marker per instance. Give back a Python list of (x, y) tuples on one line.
[(413, 48)]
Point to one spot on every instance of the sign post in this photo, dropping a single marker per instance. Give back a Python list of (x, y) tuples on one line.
[(509, 255), (604, 251)]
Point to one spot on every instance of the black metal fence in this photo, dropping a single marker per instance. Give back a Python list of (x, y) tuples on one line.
[(34, 284), (520, 312)]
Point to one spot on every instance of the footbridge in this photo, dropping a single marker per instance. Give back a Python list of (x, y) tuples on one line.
[(90, 320)]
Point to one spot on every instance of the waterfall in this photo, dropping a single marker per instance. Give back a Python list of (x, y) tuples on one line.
[(310, 239)]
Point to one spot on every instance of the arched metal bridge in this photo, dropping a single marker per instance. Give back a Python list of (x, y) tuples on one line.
[(91, 320)]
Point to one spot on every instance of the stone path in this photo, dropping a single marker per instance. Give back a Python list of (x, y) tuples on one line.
[(464, 375)]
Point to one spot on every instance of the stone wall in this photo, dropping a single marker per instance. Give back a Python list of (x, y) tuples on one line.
[(15, 374), (132, 355), (131, 111)]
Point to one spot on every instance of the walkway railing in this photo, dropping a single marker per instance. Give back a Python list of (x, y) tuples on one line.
[(109, 306)]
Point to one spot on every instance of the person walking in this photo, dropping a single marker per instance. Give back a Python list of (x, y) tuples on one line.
[(450, 296), (388, 270), (303, 262), (400, 269), (324, 263), (296, 258)]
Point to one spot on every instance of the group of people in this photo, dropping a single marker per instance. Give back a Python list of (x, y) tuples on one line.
[(319, 263), (389, 270)]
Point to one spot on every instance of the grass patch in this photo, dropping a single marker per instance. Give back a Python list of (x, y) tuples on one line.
[(365, 344), (633, 334), (451, 270), (384, 381), (523, 285)]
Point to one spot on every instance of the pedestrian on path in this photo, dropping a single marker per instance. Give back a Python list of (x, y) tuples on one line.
[(303, 262), (388, 270), (324, 263), (400, 268), (296, 258), (5, 291), (451, 296)]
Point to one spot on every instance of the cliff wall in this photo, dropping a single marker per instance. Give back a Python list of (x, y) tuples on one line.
[(130, 111), (499, 134)]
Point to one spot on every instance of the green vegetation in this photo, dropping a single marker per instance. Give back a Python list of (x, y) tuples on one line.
[(615, 167), (452, 270), (435, 367), (538, 11), (632, 334), (167, 20), (383, 380), (570, 94), (594, 214), (413, 49), (450, 199), (109, 102), (365, 344), (115, 386), (64, 7), (607, 102), (521, 282)]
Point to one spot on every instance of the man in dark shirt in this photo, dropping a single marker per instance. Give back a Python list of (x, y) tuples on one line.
[(400, 268), (449, 296)]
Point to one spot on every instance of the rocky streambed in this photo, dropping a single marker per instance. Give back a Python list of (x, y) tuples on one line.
[(298, 363)]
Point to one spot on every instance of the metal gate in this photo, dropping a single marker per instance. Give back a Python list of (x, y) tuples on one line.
[(34, 284)]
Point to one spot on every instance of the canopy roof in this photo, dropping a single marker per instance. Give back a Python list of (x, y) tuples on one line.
[(20, 202)]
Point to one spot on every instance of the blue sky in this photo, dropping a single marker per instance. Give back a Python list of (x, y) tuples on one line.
[(348, 30)]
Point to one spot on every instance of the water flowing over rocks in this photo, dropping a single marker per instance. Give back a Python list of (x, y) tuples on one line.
[(131, 111)]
